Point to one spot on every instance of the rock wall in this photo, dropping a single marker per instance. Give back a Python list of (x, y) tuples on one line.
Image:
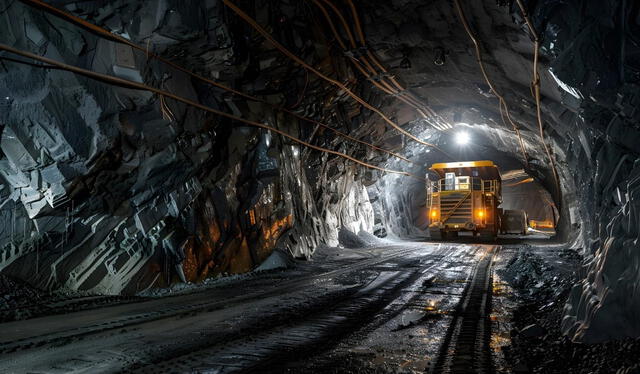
[(593, 49), (111, 190)]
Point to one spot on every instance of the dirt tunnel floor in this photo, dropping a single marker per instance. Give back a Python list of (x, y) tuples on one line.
[(395, 307)]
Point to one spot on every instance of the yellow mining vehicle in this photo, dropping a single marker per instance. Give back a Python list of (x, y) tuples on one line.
[(464, 197)]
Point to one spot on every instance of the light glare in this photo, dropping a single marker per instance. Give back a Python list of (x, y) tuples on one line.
[(462, 138)]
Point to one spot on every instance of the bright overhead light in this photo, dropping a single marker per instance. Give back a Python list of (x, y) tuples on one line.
[(462, 137)]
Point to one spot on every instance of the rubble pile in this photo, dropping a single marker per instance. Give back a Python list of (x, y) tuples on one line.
[(363, 239), (543, 282), (550, 352), (535, 278), (14, 295), (277, 260)]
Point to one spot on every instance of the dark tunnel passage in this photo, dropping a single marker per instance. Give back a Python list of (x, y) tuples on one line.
[(215, 186)]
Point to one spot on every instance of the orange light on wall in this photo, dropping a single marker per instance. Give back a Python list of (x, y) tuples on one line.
[(480, 213)]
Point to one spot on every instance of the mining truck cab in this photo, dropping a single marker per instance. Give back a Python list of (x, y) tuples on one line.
[(464, 197)]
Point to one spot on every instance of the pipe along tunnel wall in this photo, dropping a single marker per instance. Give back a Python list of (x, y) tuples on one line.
[(112, 190)]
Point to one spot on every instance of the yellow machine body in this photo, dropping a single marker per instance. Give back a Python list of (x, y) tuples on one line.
[(541, 224), (465, 197)]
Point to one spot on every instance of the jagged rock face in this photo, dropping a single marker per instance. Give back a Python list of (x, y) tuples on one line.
[(594, 58), (114, 190)]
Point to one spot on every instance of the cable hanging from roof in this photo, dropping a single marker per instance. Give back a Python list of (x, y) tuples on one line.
[(163, 93), (332, 81), (400, 90), (116, 38), (356, 56), (362, 64), (502, 101), (535, 83)]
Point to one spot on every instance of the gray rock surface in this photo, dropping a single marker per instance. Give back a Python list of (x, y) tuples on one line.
[(113, 191)]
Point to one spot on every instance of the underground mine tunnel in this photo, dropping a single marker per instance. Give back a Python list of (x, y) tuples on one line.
[(319, 186)]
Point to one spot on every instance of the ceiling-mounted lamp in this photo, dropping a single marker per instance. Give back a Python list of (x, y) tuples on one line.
[(462, 138)]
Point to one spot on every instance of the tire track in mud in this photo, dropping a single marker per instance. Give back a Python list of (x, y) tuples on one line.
[(180, 311), (320, 328), (262, 350)]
